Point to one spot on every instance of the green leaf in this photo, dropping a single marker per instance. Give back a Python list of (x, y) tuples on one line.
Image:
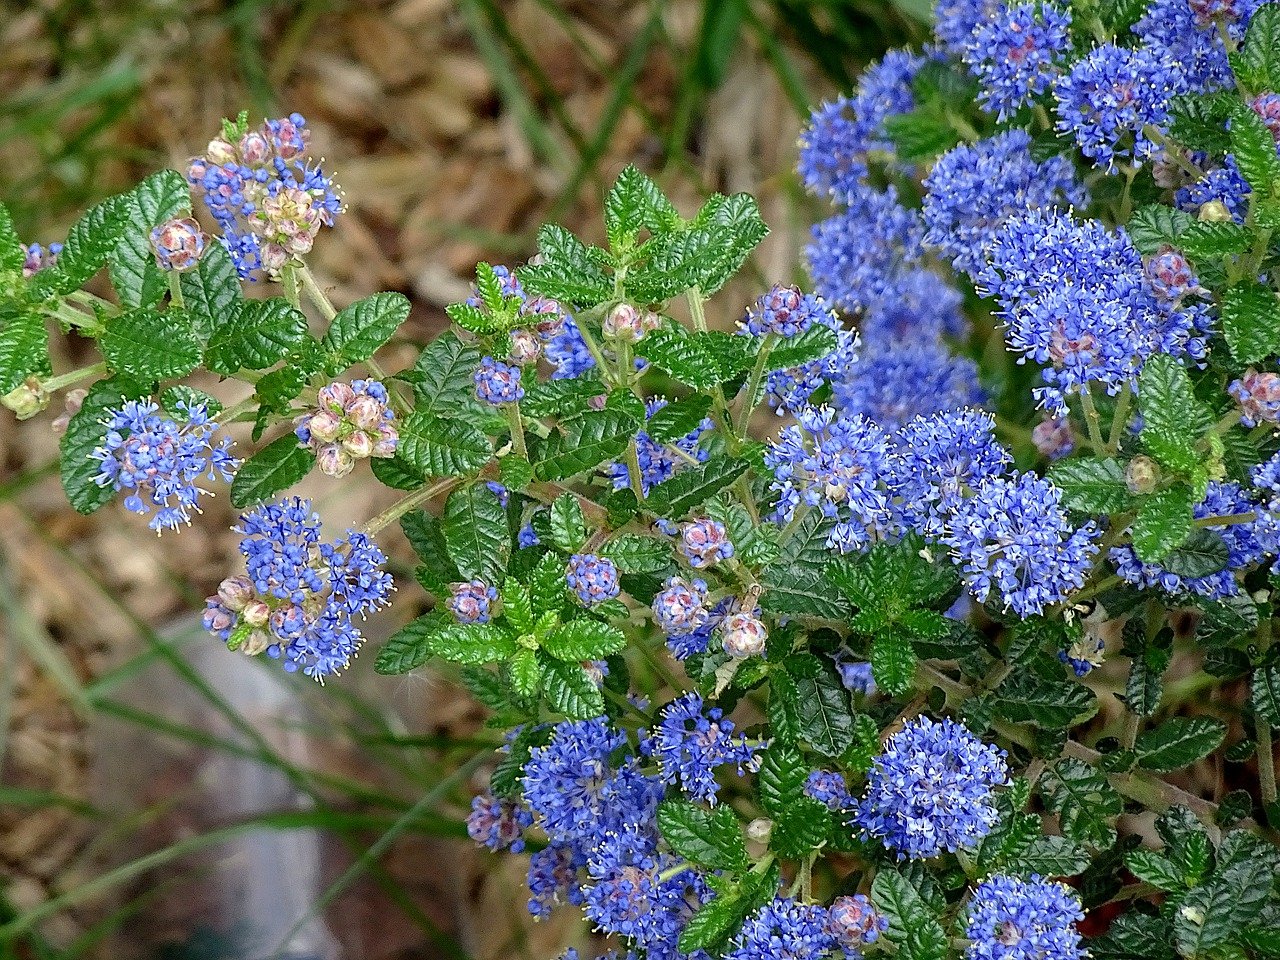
[(1163, 522), (475, 528), (784, 707), (1208, 240), (695, 486), (1155, 869), (893, 662), (11, 254), (1155, 226), (825, 714), (475, 319), (1091, 484), (1083, 800), (524, 672), (1203, 553), (709, 838), (277, 466), (814, 344), (259, 334), (580, 640), (547, 583), (426, 536), (517, 606), (799, 592), (471, 643), (677, 420), (137, 278), (1216, 911), (914, 927), (682, 355), (359, 330), (88, 242), (737, 227), (920, 134), (715, 922), (1266, 693), (635, 203), (559, 398), (211, 292), (445, 387), (145, 345), (568, 525), (442, 448), (1145, 685), (24, 348), (1259, 61), (568, 271), (85, 433), (1051, 704), (570, 691), (800, 823), (1251, 320), (1050, 857), (587, 442), (410, 646), (1254, 150), (1199, 121), (1170, 410), (1179, 742), (636, 554)]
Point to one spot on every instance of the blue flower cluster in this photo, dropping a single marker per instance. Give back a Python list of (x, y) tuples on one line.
[(932, 790), (497, 382), (659, 462), (1017, 54), (786, 930), (300, 595), (268, 202), (593, 579), (690, 742), (161, 462), (1013, 919)]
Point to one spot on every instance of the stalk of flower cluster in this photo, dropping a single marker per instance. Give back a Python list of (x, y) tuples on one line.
[(405, 504)]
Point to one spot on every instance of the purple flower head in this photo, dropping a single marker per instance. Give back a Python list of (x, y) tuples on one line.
[(743, 635), (555, 874), (921, 307), (1184, 33), (704, 542), (498, 824), (937, 460), (1258, 395), (36, 258), (853, 921), (974, 189), (1013, 919), (784, 311), (954, 21), (498, 382), (160, 462), (568, 352), (469, 602), (1013, 537), (1222, 185), (1017, 53), (829, 789), (838, 464), (178, 244), (856, 676), (1053, 438), (593, 579), (680, 606), (931, 790), (350, 422), (1171, 276), (1111, 96), (690, 742), (1267, 106)]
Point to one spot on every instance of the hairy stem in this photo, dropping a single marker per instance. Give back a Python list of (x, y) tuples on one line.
[(404, 505)]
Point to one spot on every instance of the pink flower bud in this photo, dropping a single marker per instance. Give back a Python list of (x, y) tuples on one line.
[(274, 257), (334, 461), (388, 440), (336, 396), (220, 151), (324, 426), (235, 592), (256, 612), (255, 149), (178, 244), (525, 347), (365, 412), (359, 444), (217, 619), (256, 643), (743, 635), (71, 405), (623, 323)]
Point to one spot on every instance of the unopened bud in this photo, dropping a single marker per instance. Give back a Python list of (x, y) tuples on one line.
[(334, 461), (236, 592), (1215, 211), (255, 149), (365, 412), (623, 323), (358, 444), (256, 613), (325, 425), (26, 399), (525, 347), (385, 445), (336, 396), (743, 635), (220, 151), (178, 244), (256, 643), (1142, 475), (71, 405), (759, 829)]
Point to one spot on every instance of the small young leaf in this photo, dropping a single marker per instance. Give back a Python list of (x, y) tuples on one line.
[(814, 344), (277, 466), (580, 640), (636, 554), (24, 347), (682, 355), (1091, 484), (88, 242), (211, 292), (635, 203), (568, 525), (445, 386), (137, 278), (1251, 320), (471, 643), (893, 662), (1163, 522), (570, 690), (409, 648), (568, 271), (475, 528)]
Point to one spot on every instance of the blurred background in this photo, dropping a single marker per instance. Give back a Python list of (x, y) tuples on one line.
[(160, 797)]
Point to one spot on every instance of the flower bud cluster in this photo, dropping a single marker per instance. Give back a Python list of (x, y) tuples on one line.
[(350, 422)]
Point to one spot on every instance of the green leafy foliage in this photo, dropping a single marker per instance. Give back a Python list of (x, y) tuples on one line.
[(259, 334), (587, 442), (277, 466), (1251, 320), (1091, 484), (1083, 800), (137, 278), (914, 926), (710, 838), (435, 447), (475, 529), (360, 329), (569, 690), (1178, 742), (147, 345), (84, 435), (24, 347)]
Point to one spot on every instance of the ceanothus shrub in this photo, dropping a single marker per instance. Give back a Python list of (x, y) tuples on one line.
[(907, 617)]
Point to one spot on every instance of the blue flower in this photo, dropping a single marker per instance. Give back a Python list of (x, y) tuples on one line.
[(974, 189), (568, 352), (837, 464), (784, 930), (498, 824), (829, 789), (469, 602), (299, 596), (1222, 184), (690, 742), (593, 579), (658, 463), (931, 790), (1016, 54), (894, 382), (920, 307), (1258, 395), (497, 382), (955, 20), (1111, 96), (1013, 919), (856, 676), (783, 310), (937, 460), (791, 389), (1013, 536), (679, 608), (1248, 543), (161, 462), (857, 254), (36, 258), (555, 874)]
